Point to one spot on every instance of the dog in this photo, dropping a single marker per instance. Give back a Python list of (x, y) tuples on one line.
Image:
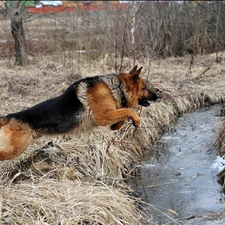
[(89, 102)]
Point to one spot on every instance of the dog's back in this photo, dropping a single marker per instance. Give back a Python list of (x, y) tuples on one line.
[(54, 116), (58, 115)]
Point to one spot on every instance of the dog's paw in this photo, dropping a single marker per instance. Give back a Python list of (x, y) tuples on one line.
[(136, 123)]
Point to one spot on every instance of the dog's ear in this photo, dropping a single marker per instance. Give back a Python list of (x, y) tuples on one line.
[(133, 70), (136, 74)]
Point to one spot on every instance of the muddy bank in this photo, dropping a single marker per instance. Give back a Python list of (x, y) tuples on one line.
[(180, 181)]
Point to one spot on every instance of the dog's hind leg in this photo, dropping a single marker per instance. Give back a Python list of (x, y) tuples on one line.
[(15, 136)]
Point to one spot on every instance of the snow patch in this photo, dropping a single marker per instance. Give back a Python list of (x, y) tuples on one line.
[(219, 163)]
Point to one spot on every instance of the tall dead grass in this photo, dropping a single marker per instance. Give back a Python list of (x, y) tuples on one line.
[(221, 138), (47, 201), (85, 179)]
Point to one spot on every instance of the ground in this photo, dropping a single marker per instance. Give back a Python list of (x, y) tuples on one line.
[(87, 178)]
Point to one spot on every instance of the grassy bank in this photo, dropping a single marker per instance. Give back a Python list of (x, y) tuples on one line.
[(86, 178)]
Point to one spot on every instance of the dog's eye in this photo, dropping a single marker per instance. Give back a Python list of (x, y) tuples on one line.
[(144, 88)]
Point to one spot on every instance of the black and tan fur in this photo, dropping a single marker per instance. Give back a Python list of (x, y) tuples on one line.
[(89, 102)]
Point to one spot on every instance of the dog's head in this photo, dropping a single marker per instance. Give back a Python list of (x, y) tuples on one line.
[(135, 89)]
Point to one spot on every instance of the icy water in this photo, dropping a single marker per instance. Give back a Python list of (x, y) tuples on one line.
[(180, 183)]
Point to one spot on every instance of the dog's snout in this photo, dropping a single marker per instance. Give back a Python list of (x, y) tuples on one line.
[(157, 92), (159, 95), (152, 95)]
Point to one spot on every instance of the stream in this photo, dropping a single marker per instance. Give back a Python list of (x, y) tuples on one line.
[(179, 184)]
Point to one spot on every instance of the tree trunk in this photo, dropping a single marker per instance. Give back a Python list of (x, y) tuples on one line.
[(18, 34)]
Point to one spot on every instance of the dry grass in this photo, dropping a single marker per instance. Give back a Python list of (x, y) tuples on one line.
[(221, 138), (85, 179), (48, 201)]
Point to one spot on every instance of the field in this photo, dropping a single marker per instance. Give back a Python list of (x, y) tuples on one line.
[(87, 178)]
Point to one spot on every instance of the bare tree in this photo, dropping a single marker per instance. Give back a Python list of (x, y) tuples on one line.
[(18, 33), (217, 32), (134, 8)]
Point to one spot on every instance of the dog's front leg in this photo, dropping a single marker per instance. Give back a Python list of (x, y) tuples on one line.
[(117, 116), (117, 126)]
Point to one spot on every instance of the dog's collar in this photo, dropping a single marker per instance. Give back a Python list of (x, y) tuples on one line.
[(117, 88), (123, 98)]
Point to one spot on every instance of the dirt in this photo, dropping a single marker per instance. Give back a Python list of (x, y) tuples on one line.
[(179, 184)]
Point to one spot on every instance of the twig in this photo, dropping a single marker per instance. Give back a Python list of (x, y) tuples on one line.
[(190, 65), (204, 71)]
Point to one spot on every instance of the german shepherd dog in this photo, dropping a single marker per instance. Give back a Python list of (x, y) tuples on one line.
[(89, 102)]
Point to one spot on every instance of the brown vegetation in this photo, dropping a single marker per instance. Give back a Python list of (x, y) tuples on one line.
[(221, 138), (86, 179), (192, 28)]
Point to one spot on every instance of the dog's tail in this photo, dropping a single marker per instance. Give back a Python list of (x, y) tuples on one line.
[(15, 137)]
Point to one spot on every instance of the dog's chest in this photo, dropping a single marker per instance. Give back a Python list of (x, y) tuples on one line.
[(114, 85)]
